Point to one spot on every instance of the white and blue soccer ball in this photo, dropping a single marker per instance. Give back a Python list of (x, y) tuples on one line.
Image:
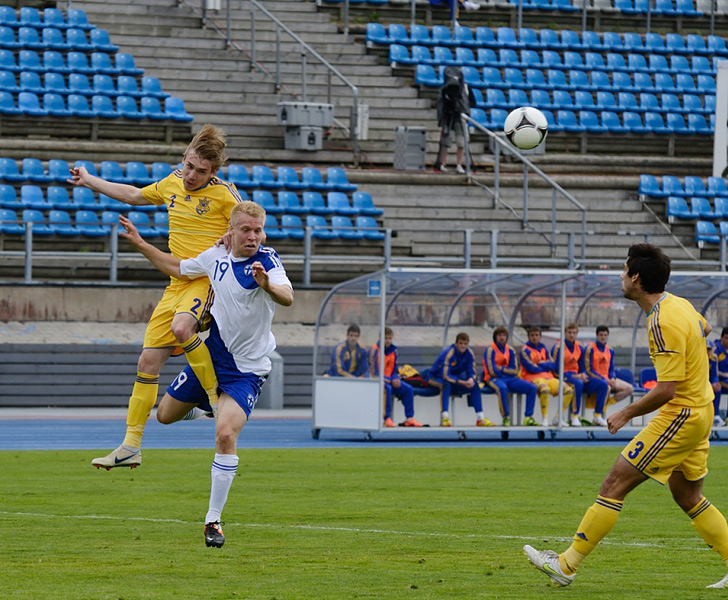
[(526, 127)]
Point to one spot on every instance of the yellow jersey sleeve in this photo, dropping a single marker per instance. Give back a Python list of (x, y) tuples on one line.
[(196, 218)]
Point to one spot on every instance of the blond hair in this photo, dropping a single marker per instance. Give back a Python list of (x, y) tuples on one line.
[(248, 208), (209, 144)]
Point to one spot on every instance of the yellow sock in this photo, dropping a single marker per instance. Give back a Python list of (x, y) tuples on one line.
[(142, 400), (711, 525), (597, 522), (198, 357), (544, 399)]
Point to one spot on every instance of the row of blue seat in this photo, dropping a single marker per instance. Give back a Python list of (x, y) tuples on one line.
[(684, 8), (88, 223), (546, 39), (697, 207), (552, 59), (79, 83), (488, 77), (51, 38), (285, 201), (606, 121), (604, 100), (137, 173), (670, 185), (77, 105), (120, 63), (29, 16), (706, 232)]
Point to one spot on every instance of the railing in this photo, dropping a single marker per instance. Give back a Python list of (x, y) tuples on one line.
[(499, 145), (306, 51), (310, 260)]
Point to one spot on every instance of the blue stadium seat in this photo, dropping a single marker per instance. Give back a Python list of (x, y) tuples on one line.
[(151, 86), (8, 17), (77, 18), (127, 107), (516, 97), (103, 84), (88, 225), (60, 223), (441, 36), (59, 169), (698, 124), (100, 40), (556, 79), (272, 230), (79, 107), (568, 121), (507, 37), (649, 102), (78, 63), (705, 84), (174, 108), (28, 38), (161, 222), (160, 170), (29, 104), (84, 198), (7, 38), (109, 218), (289, 202), (7, 61), (265, 199), (441, 55), (677, 208), (7, 104), (695, 186), (58, 197), (314, 203), (702, 208), (364, 203), (127, 85), (78, 83), (376, 34), (633, 42), (589, 120), (345, 229), (54, 83), (338, 177), (314, 179), (29, 81), (699, 65), (579, 80), (687, 8), (464, 36), (562, 99), (720, 204), (238, 175), (420, 35), (136, 173), (705, 232), (141, 221), (263, 176), (9, 170), (368, 227), (654, 43), (655, 123), (675, 123), (292, 226), (637, 62), (8, 197), (633, 122), (612, 41), (33, 170), (717, 186), (36, 218), (339, 202), (627, 101), (397, 34), (124, 62), (672, 186), (611, 121), (426, 75), (484, 36), (28, 60), (76, 39), (650, 186), (670, 103), (53, 17), (715, 44), (52, 39), (540, 99), (289, 178), (584, 100), (152, 109), (465, 56), (320, 228), (508, 57), (101, 63), (107, 203), (9, 222), (111, 170), (535, 78)]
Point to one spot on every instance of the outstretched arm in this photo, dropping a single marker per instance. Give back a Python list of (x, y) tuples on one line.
[(119, 191), (281, 294), (164, 262)]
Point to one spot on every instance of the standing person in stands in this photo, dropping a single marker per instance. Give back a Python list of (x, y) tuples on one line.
[(454, 372), (248, 280), (500, 373), (199, 206), (455, 97), (537, 368), (575, 374), (673, 448), (721, 354), (349, 359), (393, 385), (599, 362)]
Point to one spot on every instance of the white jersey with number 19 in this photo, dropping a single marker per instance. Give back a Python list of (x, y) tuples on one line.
[(242, 310)]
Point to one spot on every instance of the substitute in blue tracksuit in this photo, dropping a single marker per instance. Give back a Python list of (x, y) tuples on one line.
[(454, 373), (500, 373), (349, 359)]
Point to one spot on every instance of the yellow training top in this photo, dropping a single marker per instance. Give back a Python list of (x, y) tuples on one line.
[(675, 331), (196, 218)]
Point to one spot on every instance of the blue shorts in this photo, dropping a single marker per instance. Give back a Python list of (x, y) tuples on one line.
[(244, 388)]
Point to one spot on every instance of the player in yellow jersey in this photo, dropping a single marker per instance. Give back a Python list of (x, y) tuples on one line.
[(199, 205), (673, 447)]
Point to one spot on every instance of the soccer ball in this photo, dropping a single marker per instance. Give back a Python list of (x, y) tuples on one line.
[(526, 127)]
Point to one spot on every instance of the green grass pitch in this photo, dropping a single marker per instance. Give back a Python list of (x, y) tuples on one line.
[(389, 523)]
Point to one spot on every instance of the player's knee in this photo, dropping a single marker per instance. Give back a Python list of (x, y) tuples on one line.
[(182, 331), (225, 439)]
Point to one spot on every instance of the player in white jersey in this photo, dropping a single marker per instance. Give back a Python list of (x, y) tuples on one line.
[(248, 283)]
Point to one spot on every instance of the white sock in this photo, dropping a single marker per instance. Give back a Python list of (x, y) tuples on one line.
[(223, 471), (480, 415), (445, 415), (194, 413)]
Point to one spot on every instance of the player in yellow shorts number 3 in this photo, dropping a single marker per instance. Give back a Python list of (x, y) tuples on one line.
[(199, 205), (673, 447)]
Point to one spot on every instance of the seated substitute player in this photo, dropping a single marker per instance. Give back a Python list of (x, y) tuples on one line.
[(248, 283), (349, 359), (454, 372), (537, 368), (599, 363), (673, 448), (721, 354), (575, 374), (393, 385), (500, 373), (199, 205)]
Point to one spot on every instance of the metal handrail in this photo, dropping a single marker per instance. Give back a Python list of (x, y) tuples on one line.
[(527, 164), (306, 48)]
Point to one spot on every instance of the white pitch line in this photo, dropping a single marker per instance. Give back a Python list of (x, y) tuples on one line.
[(695, 546)]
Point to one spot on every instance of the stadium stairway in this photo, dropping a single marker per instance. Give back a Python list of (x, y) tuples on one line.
[(218, 86)]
